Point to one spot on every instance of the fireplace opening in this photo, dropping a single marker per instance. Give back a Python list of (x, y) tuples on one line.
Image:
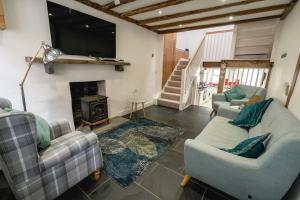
[(93, 91)]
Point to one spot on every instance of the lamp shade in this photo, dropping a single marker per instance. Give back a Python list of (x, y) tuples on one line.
[(50, 53)]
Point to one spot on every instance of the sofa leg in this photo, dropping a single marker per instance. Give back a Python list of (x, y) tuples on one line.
[(185, 180), (96, 175), (213, 113)]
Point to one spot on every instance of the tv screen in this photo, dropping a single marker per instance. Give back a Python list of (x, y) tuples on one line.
[(76, 33)]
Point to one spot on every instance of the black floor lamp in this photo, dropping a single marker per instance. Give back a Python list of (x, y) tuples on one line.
[(50, 54)]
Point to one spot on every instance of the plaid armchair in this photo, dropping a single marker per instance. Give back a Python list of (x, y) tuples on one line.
[(71, 157)]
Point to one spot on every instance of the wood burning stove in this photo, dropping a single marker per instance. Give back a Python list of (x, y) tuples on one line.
[(94, 109)]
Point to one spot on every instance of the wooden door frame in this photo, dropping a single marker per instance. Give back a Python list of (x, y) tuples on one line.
[(293, 84)]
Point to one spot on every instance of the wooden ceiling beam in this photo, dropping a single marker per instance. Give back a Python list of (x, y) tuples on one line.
[(110, 12), (112, 4), (198, 11), (153, 7), (238, 13), (288, 9), (217, 24)]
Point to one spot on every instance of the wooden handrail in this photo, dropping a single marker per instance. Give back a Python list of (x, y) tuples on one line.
[(196, 52), (239, 64)]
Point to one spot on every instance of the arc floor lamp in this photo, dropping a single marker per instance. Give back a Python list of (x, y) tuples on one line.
[(49, 54)]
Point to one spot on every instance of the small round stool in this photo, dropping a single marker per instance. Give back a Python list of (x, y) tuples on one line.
[(134, 105)]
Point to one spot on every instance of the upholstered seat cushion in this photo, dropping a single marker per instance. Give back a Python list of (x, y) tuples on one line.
[(65, 147), (218, 104), (219, 133)]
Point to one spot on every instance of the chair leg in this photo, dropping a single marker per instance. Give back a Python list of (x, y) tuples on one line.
[(143, 106), (96, 175), (185, 181), (132, 104), (136, 104)]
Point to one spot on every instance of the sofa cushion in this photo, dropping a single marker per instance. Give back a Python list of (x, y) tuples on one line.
[(218, 104), (237, 102), (250, 148), (65, 147), (234, 93), (252, 90), (256, 130), (219, 133)]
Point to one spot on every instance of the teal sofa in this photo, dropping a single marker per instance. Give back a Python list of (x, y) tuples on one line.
[(219, 100), (268, 177)]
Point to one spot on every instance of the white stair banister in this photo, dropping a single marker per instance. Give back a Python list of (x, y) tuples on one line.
[(189, 75)]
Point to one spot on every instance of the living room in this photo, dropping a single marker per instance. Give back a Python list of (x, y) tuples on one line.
[(156, 118)]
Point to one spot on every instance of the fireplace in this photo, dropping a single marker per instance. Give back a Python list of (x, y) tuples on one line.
[(88, 99)]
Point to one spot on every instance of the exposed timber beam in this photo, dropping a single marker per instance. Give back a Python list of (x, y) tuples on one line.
[(153, 7), (112, 4), (110, 12), (198, 11), (238, 13), (217, 24), (288, 9)]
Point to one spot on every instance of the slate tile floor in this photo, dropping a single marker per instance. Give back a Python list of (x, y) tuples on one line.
[(162, 179)]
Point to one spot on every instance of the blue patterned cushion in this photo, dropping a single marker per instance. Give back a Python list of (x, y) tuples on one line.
[(234, 93), (251, 115), (251, 147)]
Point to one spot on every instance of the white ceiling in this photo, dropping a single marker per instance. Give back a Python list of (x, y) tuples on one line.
[(194, 5)]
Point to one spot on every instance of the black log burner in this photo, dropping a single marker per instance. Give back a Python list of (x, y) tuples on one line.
[(94, 110)]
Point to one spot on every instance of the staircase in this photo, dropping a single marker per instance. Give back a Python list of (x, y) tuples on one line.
[(170, 96), (179, 90)]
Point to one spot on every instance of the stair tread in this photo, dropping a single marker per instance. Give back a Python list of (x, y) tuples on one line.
[(168, 100), (172, 87), (169, 93)]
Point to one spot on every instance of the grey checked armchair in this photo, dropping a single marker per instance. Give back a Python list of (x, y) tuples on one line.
[(71, 157)]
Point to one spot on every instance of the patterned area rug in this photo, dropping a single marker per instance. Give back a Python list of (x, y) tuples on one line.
[(131, 147)]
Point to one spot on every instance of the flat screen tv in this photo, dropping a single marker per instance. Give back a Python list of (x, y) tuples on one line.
[(76, 33)]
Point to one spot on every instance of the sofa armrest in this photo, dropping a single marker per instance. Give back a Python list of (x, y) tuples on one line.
[(199, 155), (58, 129), (228, 112), (218, 97)]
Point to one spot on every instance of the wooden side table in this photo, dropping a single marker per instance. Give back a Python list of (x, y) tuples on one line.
[(134, 105)]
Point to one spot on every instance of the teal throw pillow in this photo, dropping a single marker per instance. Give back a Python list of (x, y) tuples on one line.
[(43, 133), (251, 147), (234, 93), (251, 115)]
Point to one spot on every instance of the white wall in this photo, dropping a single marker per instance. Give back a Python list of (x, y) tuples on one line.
[(191, 39), (49, 95), (286, 40)]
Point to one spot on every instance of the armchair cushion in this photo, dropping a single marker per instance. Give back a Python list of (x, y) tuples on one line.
[(65, 147)]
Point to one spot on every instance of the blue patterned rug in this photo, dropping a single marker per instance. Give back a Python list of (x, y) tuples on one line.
[(130, 148)]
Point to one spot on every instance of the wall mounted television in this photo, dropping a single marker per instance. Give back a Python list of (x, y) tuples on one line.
[(76, 33)]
